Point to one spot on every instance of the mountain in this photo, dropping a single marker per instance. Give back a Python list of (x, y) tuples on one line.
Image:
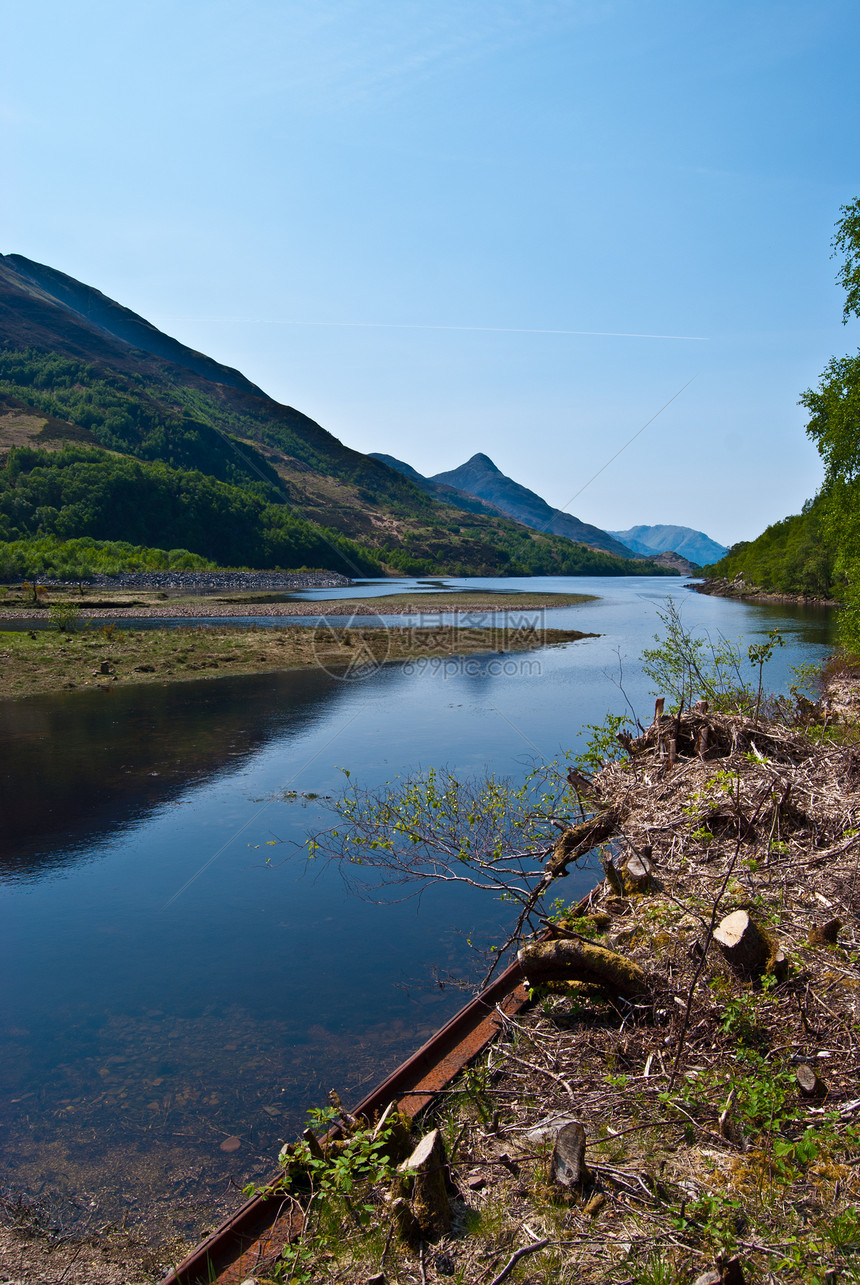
[(447, 494), (113, 430), (695, 546), (479, 476)]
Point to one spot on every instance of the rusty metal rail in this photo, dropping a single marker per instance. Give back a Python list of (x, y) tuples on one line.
[(257, 1231)]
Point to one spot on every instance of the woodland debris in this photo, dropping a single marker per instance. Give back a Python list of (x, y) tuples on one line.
[(580, 839), (825, 934), (729, 1272), (582, 961), (613, 876), (313, 1144), (728, 1124), (567, 1163), (349, 1121), (745, 946)]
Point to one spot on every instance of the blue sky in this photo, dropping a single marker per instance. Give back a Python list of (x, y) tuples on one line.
[(378, 211)]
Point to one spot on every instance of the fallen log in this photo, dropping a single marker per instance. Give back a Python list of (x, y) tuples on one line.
[(582, 961), (580, 839)]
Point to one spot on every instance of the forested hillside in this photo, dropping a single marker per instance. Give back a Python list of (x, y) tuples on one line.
[(221, 469), (79, 492), (791, 556)]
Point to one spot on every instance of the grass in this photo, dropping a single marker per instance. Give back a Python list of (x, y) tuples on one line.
[(103, 656)]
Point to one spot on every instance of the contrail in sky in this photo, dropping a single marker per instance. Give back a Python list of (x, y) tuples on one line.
[(614, 457), (406, 325)]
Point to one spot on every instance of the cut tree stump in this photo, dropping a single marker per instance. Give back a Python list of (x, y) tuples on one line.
[(808, 1082), (424, 1184), (582, 961), (567, 1163), (636, 874), (743, 943)]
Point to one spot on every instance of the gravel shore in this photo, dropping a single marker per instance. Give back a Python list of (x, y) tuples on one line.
[(204, 581)]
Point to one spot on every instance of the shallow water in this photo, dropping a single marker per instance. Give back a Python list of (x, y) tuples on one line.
[(174, 1003)]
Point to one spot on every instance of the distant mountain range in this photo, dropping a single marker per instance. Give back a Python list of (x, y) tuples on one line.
[(114, 431), (479, 480), (695, 546)]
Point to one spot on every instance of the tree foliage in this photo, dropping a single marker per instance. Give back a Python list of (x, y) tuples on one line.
[(78, 492), (796, 555), (50, 558), (846, 243), (834, 426)]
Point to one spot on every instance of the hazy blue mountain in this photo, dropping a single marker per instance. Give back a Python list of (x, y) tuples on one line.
[(479, 476), (695, 546)]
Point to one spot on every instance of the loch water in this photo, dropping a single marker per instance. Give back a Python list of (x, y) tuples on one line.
[(180, 983)]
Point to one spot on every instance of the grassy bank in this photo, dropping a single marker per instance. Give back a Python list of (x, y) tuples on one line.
[(47, 660)]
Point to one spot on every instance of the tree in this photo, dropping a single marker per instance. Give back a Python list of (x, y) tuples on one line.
[(847, 243), (834, 426)]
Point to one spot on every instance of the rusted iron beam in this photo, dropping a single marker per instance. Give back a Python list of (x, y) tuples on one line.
[(257, 1231)]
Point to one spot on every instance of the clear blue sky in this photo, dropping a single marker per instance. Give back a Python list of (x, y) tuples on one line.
[(238, 171)]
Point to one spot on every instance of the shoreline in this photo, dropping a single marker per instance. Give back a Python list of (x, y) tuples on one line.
[(43, 662), (738, 588), (402, 604)]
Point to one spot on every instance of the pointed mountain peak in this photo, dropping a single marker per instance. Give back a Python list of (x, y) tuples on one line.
[(483, 462)]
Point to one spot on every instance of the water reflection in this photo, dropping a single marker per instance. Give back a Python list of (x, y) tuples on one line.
[(74, 768)]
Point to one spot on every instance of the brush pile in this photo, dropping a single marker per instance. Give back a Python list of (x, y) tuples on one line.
[(681, 1103), (718, 1094)]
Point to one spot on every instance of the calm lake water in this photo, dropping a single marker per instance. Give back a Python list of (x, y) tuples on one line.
[(173, 1003)]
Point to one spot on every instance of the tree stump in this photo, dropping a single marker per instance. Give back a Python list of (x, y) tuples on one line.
[(582, 961), (567, 1163), (424, 1184), (808, 1082), (743, 943), (636, 874)]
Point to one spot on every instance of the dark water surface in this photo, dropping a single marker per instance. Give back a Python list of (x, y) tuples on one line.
[(172, 1003)]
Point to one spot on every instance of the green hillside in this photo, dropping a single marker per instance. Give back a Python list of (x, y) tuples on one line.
[(791, 556), (79, 373)]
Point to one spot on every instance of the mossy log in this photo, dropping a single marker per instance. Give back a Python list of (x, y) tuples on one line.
[(575, 990), (582, 961), (580, 839)]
